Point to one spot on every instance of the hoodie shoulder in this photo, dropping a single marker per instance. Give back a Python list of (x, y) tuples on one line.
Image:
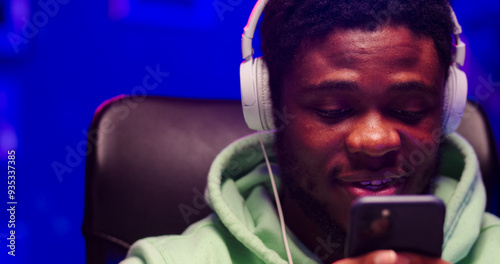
[(487, 247), (206, 241)]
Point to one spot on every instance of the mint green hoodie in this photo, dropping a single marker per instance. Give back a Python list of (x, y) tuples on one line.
[(245, 226)]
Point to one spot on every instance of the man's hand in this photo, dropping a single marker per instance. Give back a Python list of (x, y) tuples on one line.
[(391, 257)]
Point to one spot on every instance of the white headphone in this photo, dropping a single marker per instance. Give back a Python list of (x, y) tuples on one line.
[(256, 94)]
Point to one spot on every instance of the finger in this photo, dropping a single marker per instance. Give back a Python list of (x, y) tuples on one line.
[(420, 259), (376, 257), (382, 257)]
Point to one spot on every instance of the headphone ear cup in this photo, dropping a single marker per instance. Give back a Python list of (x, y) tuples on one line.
[(249, 95), (264, 94), (256, 95), (455, 98)]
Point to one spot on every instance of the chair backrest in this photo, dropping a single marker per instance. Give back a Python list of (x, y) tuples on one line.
[(149, 158), (147, 168)]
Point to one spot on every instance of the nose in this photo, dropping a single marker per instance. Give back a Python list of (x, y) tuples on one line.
[(373, 136)]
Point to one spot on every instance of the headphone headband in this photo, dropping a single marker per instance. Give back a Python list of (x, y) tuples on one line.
[(459, 56), (249, 30)]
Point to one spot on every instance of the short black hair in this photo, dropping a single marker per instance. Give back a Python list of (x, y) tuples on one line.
[(287, 22)]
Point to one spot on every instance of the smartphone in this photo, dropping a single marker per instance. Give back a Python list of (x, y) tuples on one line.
[(405, 223)]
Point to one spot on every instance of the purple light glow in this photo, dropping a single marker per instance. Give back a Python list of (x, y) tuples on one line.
[(107, 102), (8, 139), (19, 9), (3, 102), (118, 9)]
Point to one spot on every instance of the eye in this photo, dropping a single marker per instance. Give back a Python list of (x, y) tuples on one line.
[(408, 115), (332, 114)]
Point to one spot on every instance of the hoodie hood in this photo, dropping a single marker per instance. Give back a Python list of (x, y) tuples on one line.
[(462, 190), (239, 192)]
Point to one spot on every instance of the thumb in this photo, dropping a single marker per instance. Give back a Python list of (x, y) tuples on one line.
[(376, 257)]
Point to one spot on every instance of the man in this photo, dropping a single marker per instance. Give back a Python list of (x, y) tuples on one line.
[(362, 97)]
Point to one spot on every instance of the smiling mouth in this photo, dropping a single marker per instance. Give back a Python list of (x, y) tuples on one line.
[(368, 183), (376, 185)]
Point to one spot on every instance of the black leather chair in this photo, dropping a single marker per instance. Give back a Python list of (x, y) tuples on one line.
[(149, 158)]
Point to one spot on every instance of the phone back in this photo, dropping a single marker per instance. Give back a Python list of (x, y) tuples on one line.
[(405, 223)]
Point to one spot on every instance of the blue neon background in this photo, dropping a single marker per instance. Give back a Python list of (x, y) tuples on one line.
[(90, 51)]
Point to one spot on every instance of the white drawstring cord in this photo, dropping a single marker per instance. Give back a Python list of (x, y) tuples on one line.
[(278, 204)]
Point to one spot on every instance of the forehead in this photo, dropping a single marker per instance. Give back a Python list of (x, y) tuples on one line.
[(349, 53)]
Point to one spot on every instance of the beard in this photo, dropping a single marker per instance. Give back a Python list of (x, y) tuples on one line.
[(294, 171)]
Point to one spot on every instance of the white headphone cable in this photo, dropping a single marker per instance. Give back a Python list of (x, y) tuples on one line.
[(276, 197)]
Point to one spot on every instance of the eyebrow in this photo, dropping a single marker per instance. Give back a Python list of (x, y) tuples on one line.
[(417, 86), (349, 86), (330, 86)]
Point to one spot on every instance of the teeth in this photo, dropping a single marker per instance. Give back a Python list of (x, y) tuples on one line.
[(387, 180), (376, 182)]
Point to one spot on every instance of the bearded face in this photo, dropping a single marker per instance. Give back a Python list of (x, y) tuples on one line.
[(367, 109)]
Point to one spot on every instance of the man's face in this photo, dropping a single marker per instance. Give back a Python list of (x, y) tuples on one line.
[(367, 109)]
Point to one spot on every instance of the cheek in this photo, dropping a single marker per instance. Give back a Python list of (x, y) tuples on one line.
[(423, 138), (421, 157), (314, 143)]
